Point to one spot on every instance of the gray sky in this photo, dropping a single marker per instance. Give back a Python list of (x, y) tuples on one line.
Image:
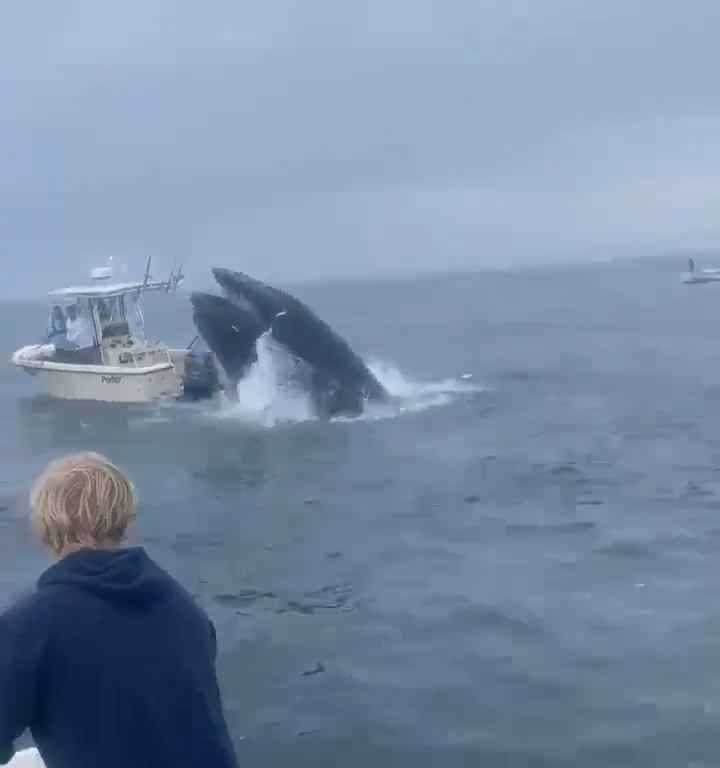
[(322, 138)]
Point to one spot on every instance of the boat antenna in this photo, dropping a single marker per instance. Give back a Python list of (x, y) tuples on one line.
[(146, 279)]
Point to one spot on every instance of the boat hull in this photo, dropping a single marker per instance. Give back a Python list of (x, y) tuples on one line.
[(105, 384)]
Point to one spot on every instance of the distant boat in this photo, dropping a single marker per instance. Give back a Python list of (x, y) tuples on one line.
[(708, 275)]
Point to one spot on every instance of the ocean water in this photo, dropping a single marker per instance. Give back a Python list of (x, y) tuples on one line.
[(514, 564)]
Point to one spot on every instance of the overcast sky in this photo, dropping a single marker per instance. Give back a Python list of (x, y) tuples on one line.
[(339, 137)]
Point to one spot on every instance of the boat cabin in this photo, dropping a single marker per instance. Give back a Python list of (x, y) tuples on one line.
[(99, 325), (95, 348)]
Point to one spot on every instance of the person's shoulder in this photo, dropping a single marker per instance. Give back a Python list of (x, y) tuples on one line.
[(28, 612), (181, 597)]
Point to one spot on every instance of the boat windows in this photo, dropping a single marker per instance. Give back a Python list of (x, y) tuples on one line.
[(80, 333), (134, 316), (111, 310), (111, 314), (57, 325)]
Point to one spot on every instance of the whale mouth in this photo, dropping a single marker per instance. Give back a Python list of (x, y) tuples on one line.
[(340, 381), (247, 291)]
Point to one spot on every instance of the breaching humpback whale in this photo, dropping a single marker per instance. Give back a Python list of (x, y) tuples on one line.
[(230, 330), (338, 380)]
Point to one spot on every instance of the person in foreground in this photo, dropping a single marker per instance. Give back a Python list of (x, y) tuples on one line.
[(109, 663)]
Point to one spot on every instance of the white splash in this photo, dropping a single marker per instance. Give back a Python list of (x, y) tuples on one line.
[(397, 385), (409, 396), (267, 398)]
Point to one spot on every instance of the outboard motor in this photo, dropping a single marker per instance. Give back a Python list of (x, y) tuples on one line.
[(201, 380)]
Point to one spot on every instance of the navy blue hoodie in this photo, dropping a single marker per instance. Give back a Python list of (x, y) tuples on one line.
[(111, 664)]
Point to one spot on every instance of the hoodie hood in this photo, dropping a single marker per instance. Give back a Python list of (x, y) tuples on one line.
[(120, 575)]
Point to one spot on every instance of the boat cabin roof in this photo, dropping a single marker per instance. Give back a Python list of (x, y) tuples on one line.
[(97, 291)]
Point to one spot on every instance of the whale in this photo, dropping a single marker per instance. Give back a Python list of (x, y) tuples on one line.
[(231, 330), (338, 380)]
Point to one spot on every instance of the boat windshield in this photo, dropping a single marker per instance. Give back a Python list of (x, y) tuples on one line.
[(110, 311), (56, 325), (71, 326), (120, 316), (83, 322)]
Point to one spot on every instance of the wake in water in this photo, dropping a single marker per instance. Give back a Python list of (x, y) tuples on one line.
[(269, 395)]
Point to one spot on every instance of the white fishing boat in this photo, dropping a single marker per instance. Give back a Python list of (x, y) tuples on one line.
[(96, 348)]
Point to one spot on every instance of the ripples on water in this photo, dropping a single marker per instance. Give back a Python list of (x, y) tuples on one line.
[(516, 568)]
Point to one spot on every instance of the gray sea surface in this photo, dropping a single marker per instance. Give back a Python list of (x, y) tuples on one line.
[(514, 564)]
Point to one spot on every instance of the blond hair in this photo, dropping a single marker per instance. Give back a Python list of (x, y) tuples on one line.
[(82, 500)]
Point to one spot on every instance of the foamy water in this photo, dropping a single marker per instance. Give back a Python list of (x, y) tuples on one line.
[(267, 397)]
